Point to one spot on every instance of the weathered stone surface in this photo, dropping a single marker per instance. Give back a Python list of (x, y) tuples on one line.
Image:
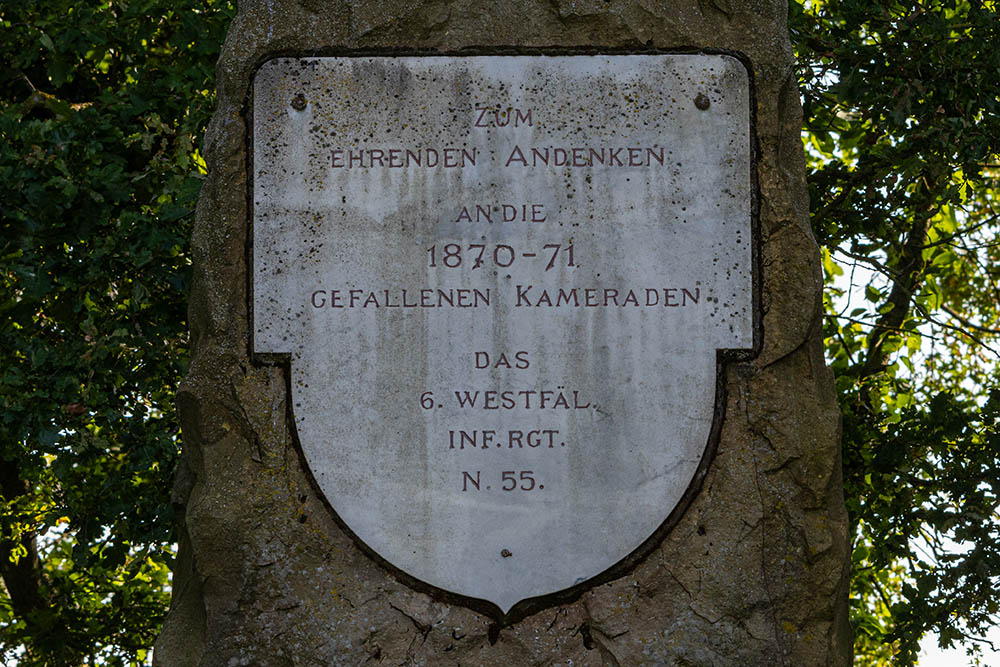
[(755, 571), (503, 328)]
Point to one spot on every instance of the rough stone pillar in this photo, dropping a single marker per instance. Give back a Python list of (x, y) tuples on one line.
[(755, 571)]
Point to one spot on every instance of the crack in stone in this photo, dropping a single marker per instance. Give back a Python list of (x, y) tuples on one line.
[(680, 583), (706, 618), (690, 604), (806, 340), (362, 603), (602, 642), (763, 526), (423, 630), (784, 464), (751, 527), (763, 558)]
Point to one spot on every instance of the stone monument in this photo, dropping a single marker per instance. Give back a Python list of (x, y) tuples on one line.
[(506, 345)]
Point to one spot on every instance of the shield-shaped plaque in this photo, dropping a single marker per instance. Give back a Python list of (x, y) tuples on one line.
[(502, 284)]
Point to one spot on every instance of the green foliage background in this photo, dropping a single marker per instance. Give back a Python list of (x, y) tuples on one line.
[(102, 106), (902, 132)]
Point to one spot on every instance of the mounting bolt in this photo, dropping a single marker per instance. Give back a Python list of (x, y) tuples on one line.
[(702, 101), (299, 102)]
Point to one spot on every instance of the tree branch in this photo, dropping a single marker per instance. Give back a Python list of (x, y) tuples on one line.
[(971, 325), (963, 232), (23, 578), (907, 276)]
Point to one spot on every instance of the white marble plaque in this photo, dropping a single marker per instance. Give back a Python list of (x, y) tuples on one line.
[(502, 283)]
